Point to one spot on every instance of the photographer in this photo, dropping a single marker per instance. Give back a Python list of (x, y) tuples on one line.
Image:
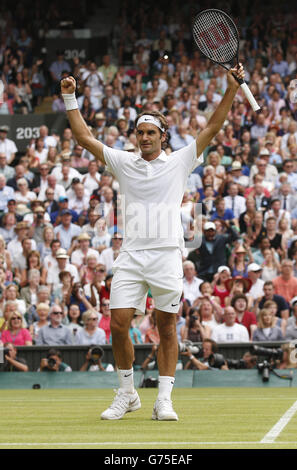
[(210, 358), (13, 363), (53, 363), (93, 361)]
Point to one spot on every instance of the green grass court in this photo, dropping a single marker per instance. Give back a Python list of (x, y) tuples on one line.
[(209, 418)]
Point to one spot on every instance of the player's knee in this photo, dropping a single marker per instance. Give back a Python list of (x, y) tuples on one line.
[(118, 328), (168, 333)]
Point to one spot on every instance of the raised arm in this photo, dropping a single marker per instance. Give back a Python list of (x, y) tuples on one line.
[(78, 125), (217, 119)]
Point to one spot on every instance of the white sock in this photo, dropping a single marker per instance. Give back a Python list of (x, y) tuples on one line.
[(165, 386), (126, 380)]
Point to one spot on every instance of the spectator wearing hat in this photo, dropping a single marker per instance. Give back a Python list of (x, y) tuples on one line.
[(239, 259), (286, 284), (66, 230), (7, 146), (270, 295), (38, 221), (234, 201), (6, 193), (63, 264), (56, 216), (291, 328), (191, 282), (237, 174), (254, 274), (239, 285), (100, 125), (212, 252), (248, 319), (15, 247), (79, 256)]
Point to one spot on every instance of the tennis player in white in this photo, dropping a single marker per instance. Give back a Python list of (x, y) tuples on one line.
[(153, 186)]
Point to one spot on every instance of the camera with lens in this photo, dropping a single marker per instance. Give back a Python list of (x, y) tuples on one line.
[(236, 364), (96, 353), (51, 362), (216, 360), (268, 364), (187, 345)]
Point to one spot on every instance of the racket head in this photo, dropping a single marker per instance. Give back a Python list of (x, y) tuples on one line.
[(216, 36)]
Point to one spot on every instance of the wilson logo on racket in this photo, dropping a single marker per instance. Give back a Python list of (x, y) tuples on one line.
[(216, 36)]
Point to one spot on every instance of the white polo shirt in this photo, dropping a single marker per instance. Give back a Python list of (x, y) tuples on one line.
[(230, 334), (151, 195)]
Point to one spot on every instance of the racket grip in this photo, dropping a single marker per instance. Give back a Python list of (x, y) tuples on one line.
[(250, 97)]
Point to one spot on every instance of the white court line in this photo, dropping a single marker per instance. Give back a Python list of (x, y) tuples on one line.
[(274, 432), (112, 443), (55, 400)]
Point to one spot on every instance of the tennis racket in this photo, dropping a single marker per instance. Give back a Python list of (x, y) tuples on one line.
[(217, 37)]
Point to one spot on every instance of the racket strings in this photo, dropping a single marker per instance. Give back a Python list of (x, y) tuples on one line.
[(215, 36)]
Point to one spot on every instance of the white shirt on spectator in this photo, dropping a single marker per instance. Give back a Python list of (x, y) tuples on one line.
[(230, 334), (83, 337), (256, 290), (78, 256), (8, 147), (191, 289)]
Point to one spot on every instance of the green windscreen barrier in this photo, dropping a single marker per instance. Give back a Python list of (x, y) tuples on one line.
[(183, 379)]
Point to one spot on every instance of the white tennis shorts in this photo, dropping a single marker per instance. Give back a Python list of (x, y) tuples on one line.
[(137, 271)]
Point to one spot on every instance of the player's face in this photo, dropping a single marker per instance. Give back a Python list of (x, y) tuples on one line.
[(149, 140)]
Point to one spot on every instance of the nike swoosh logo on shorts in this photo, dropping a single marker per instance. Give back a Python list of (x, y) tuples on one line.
[(174, 305), (128, 375)]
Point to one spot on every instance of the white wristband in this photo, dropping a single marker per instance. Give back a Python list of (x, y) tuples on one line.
[(191, 357), (70, 101)]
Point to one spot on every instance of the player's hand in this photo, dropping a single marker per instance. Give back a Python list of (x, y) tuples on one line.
[(239, 73), (68, 85)]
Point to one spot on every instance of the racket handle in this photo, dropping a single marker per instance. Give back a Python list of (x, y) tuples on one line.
[(250, 97)]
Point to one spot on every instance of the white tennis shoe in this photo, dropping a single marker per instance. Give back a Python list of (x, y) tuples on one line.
[(123, 403), (163, 410)]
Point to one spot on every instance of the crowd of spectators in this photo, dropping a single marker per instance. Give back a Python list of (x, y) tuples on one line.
[(59, 232)]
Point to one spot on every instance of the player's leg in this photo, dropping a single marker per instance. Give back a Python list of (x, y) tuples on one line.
[(167, 359), (127, 398)]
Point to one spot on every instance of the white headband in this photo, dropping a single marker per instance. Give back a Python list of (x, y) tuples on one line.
[(151, 120)]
